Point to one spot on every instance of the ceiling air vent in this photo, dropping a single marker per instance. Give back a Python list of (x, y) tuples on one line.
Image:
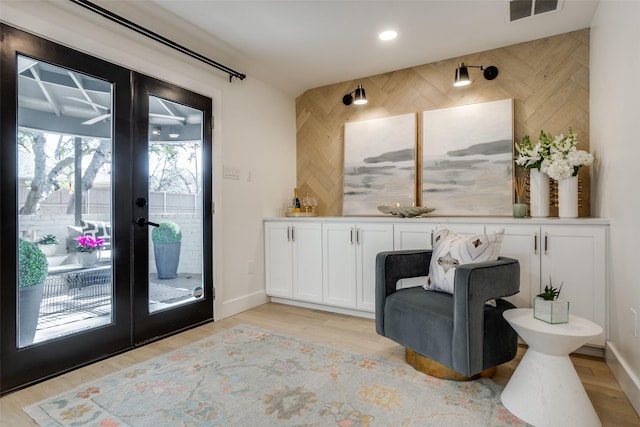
[(519, 9)]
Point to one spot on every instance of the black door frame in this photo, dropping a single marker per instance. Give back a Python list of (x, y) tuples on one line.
[(22, 367), (156, 325)]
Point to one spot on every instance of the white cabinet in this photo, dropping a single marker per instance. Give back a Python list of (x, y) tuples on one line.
[(329, 263), (573, 256), (293, 256), (349, 256)]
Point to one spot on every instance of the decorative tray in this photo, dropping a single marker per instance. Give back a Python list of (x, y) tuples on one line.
[(302, 214), (405, 211)]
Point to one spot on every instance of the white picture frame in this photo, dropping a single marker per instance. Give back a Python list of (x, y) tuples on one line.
[(467, 159), (379, 163)]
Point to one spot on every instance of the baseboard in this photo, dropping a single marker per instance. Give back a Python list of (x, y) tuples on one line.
[(322, 307), (224, 309), (629, 382)]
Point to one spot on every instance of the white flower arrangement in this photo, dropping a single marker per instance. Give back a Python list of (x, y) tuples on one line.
[(531, 156), (564, 159)]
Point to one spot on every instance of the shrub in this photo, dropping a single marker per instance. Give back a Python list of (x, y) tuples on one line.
[(33, 266), (167, 232)]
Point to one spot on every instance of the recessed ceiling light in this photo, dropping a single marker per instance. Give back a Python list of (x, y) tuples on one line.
[(387, 35)]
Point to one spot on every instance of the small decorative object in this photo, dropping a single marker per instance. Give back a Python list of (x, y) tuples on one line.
[(548, 308), (88, 250), (167, 239), (48, 244), (531, 158), (562, 164), (519, 207), (32, 272), (309, 204), (405, 211)]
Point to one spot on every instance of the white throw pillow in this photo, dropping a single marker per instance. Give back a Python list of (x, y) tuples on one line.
[(450, 250)]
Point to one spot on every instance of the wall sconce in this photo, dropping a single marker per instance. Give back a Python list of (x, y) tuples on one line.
[(156, 130), (358, 97), (462, 73)]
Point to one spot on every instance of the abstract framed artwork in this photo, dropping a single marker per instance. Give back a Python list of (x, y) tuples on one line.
[(379, 163), (467, 159)]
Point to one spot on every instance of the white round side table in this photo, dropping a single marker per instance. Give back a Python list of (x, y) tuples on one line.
[(545, 389)]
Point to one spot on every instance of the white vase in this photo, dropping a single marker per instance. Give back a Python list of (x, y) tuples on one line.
[(539, 193), (568, 197), (88, 259)]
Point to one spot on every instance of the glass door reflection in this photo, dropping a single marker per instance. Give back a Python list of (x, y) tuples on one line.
[(175, 204), (64, 202)]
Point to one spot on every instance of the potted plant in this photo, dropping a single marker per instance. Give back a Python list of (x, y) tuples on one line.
[(88, 250), (32, 272), (548, 308), (167, 239), (48, 244)]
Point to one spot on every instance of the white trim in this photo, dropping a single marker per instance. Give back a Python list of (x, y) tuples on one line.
[(322, 307), (238, 305), (627, 379)]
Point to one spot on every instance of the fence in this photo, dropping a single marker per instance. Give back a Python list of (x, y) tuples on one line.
[(98, 201)]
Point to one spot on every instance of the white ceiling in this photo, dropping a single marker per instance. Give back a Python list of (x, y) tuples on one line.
[(299, 45)]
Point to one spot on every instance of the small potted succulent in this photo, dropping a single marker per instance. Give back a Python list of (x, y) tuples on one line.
[(32, 272), (48, 244), (167, 239), (548, 308)]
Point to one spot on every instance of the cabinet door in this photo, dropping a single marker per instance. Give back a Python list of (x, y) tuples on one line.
[(575, 258), (339, 266), (307, 261), (370, 240), (412, 236), (523, 243), (278, 259)]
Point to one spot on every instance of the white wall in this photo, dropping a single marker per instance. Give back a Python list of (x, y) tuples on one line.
[(615, 114), (254, 132)]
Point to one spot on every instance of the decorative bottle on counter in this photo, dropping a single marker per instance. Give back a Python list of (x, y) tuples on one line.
[(296, 200)]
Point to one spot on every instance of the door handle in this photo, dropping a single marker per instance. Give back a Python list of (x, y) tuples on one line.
[(141, 221)]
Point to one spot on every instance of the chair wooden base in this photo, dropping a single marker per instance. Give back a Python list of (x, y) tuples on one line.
[(435, 369)]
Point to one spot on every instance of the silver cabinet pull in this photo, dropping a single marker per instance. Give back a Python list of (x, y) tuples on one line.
[(352, 239), (293, 234), (288, 233), (357, 236), (535, 244), (546, 242)]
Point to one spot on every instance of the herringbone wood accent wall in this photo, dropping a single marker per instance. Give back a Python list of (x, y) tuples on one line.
[(547, 78)]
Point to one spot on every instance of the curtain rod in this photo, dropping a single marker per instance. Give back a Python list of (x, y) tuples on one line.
[(157, 37)]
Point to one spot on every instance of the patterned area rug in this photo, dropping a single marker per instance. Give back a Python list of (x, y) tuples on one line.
[(247, 376)]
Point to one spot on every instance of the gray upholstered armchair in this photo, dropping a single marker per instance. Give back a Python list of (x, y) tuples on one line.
[(458, 331)]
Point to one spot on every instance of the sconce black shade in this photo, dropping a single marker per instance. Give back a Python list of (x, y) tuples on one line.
[(358, 98), (462, 74)]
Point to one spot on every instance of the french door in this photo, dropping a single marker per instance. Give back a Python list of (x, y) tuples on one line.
[(92, 156)]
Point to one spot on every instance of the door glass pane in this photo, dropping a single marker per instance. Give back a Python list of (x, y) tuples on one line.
[(175, 204), (64, 202)]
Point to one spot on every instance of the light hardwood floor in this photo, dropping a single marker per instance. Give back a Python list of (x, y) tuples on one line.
[(346, 332)]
